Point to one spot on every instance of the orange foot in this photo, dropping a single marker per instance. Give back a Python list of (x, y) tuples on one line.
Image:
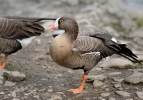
[(78, 90), (2, 66), (4, 63)]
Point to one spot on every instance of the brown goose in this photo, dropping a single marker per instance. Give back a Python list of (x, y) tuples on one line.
[(16, 33), (83, 51)]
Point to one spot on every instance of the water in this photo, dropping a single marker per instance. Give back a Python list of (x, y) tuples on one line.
[(134, 4)]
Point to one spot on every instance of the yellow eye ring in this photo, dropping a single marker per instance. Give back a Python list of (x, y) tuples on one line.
[(61, 21)]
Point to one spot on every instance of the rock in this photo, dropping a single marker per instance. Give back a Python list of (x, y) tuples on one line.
[(114, 73), (1, 81), (123, 93), (117, 85), (111, 31), (112, 99), (116, 10), (116, 63), (105, 94), (50, 90), (38, 41), (137, 33), (135, 13), (56, 97), (2, 93), (9, 83), (14, 76), (118, 79), (128, 24), (15, 99), (97, 77), (138, 40), (140, 94), (73, 2), (134, 78), (97, 83)]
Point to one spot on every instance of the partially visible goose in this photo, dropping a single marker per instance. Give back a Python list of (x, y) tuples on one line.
[(16, 33), (83, 51)]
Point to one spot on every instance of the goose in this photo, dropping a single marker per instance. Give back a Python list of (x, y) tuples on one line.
[(83, 51), (16, 33)]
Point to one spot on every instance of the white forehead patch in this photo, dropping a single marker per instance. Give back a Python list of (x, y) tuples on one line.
[(56, 22), (114, 40)]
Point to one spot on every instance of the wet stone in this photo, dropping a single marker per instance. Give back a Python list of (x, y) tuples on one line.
[(134, 78), (105, 94), (123, 93), (97, 83), (14, 75), (9, 83), (140, 94)]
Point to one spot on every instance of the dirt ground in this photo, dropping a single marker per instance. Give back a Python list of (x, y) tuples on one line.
[(47, 78)]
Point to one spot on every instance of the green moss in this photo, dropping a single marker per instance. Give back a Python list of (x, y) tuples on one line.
[(139, 21), (11, 67), (117, 27)]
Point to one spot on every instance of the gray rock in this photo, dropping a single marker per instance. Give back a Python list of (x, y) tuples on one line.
[(56, 97), (73, 2), (118, 79), (117, 85), (15, 99), (116, 63), (128, 24), (1, 81), (114, 73), (123, 93), (134, 78), (111, 31), (2, 93), (116, 7), (140, 94), (135, 13), (14, 75), (137, 33), (9, 83), (105, 94), (97, 77), (97, 83), (112, 99)]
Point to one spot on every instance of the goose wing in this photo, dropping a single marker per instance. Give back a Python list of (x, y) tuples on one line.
[(19, 27)]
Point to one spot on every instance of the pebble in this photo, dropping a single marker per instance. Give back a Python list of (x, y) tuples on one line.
[(97, 77), (1, 81), (56, 97), (15, 99), (97, 83), (112, 99), (114, 73), (116, 63), (134, 78), (117, 85), (14, 76), (118, 79), (9, 83), (123, 93), (2, 93), (140, 94), (105, 94)]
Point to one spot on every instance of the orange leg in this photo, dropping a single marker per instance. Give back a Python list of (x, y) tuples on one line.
[(4, 63), (78, 90)]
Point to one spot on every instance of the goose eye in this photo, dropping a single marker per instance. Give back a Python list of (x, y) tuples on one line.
[(61, 21)]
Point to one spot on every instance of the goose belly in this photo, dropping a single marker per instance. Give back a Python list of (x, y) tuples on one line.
[(60, 49)]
